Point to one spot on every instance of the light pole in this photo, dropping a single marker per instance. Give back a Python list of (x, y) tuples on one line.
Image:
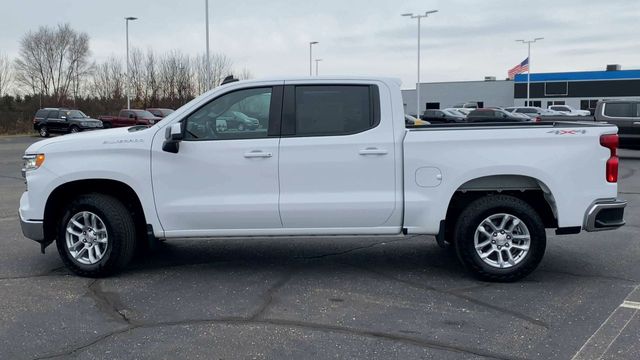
[(317, 61), (208, 76), (311, 43), (127, 19), (529, 42), (419, 17)]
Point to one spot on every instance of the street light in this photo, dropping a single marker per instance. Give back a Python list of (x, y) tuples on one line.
[(311, 56), (317, 61), (419, 17), (529, 42), (208, 76), (127, 19)]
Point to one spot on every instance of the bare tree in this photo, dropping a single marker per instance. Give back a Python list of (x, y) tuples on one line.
[(6, 74), (245, 74), (51, 60), (136, 74), (108, 80), (152, 84)]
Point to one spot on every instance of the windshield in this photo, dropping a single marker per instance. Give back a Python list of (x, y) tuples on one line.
[(76, 114), (452, 113), (144, 114)]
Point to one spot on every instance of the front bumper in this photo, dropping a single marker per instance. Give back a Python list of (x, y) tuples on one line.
[(605, 215), (33, 230)]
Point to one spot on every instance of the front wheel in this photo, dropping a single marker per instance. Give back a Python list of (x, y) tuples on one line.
[(96, 235), (500, 238), (75, 129)]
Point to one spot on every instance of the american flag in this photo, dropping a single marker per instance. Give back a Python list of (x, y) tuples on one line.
[(519, 69)]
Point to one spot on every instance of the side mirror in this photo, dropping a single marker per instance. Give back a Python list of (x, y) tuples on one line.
[(173, 136), (63, 117)]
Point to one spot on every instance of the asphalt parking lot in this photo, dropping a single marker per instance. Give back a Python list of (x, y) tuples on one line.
[(320, 298)]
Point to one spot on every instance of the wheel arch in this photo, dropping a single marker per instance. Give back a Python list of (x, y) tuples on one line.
[(529, 189), (54, 209)]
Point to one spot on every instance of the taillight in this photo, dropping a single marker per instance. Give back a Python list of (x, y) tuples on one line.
[(34, 120), (611, 141)]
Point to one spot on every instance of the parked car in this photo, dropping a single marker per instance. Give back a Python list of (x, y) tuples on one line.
[(412, 121), (442, 116), (625, 114), (569, 111), (129, 118), (338, 160), (533, 112), (463, 111), (62, 121), (238, 120), (160, 112), (494, 115)]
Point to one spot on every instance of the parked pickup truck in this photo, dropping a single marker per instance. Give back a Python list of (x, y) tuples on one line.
[(129, 118), (334, 159)]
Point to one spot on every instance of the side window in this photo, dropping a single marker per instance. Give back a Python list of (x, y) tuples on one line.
[(242, 114), (53, 114), (322, 110), (618, 110), (41, 113)]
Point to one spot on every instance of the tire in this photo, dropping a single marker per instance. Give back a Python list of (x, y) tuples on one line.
[(106, 125), (44, 132), (528, 232), (113, 221), (241, 127), (74, 129)]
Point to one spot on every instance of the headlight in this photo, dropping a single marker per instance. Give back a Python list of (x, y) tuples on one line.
[(31, 162), (151, 121), (85, 124)]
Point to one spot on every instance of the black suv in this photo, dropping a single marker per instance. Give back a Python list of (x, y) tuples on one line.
[(493, 115), (63, 121)]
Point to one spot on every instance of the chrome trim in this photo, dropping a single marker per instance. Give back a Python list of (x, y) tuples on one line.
[(594, 210), (33, 230)]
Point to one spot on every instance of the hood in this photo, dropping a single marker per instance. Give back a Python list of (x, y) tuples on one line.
[(92, 139)]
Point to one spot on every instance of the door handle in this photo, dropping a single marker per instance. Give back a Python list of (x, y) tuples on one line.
[(257, 154), (373, 151), (637, 123)]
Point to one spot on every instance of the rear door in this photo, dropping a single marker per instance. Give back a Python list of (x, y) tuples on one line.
[(53, 122), (337, 159)]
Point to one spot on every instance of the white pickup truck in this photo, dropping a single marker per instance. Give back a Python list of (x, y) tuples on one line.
[(331, 156)]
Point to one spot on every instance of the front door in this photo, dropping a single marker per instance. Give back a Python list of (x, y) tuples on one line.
[(337, 159), (222, 181)]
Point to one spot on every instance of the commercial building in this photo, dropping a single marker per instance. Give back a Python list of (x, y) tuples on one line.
[(581, 90)]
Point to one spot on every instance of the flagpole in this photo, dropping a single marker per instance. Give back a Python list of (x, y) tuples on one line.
[(529, 42)]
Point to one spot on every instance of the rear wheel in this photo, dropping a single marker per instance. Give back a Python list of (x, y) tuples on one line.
[(241, 126), (106, 125), (96, 235), (500, 238), (44, 132)]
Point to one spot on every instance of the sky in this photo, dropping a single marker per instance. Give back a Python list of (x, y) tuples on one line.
[(465, 40)]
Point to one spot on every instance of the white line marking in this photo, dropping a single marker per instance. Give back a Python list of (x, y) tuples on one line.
[(619, 332), (582, 354), (631, 304)]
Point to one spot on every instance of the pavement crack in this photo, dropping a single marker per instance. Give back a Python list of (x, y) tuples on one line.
[(52, 272), (321, 256), (458, 294), (270, 294), (590, 276), (327, 328), (107, 302)]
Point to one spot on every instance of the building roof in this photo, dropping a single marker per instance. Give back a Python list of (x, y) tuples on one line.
[(580, 76)]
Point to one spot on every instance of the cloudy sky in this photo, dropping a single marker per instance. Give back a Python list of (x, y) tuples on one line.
[(466, 40)]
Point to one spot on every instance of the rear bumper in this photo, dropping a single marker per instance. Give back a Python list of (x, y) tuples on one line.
[(605, 215)]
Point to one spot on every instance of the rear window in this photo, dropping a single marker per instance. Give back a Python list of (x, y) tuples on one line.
[(618, 110), (527, 111), (41, 113), (333, 109)]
